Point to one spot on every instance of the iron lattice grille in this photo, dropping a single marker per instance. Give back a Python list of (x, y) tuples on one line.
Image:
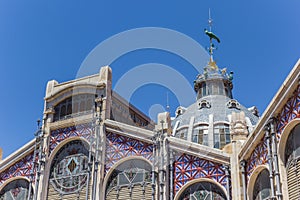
[(20, 168), (189, 167), (293, 182), (69, 169), (262, 186), (258, 157), (130, 179), (292, 163), (203, 191), (15, 190), (59, 135), (118, 147), (290, 111)]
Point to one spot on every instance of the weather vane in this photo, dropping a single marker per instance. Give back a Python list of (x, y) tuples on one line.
[(211, 36)]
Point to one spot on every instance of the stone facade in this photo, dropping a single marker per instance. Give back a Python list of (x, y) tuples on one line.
[(92, 144)]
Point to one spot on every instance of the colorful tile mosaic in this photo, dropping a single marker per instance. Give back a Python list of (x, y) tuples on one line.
[(118, 147), (258, 157), (22, 167), (189, 167), (290, 111), (59, 135)]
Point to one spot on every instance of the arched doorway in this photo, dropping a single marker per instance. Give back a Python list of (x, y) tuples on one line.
[(15, 190), (130, 180), (203, 190), (292, 162), (262, 187)]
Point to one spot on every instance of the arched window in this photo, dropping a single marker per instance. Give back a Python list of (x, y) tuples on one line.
[(130, 180), (221, 135), (69, 170), (292, 163), (15, 190), (203, 190), (262, 187), (200, 135), (181, 133), (75, 105)]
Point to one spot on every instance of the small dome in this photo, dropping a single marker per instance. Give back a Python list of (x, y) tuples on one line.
[(207, 120)]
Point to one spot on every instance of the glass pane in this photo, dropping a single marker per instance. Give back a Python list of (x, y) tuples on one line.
[(138, 178), (62, 111), (203, 191), (69, 109), (262, 186), (221, 88), (122, 179), (195, 138), (222, 130), (15, 190), (200, 137), (205, 139), (228, 138), (67, 173), (222, 140), (216, 141)]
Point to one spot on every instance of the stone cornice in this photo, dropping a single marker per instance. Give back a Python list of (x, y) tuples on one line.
[(17, 155), (87, 118), (199, 150), (70, 87), (130, 131)]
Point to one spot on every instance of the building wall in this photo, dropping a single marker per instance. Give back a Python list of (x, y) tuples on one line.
[(103, 158), (266, 146)]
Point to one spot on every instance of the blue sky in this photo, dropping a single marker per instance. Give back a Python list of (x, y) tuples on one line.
[(45, 40)]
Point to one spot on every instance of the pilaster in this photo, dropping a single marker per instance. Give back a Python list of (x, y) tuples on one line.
[(238, 132), (163, 131)]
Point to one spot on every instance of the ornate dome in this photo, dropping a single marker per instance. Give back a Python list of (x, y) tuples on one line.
[(207, 120)]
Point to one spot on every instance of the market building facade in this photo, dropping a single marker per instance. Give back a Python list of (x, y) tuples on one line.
[(93, 144)]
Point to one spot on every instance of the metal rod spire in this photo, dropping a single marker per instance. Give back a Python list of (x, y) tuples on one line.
[(211, 45), (210, 20), (168, 106)]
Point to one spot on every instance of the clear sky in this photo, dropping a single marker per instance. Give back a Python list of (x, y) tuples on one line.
[(45, 40)]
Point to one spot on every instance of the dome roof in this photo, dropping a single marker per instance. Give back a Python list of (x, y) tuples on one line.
[(217, 107), (207, 120)]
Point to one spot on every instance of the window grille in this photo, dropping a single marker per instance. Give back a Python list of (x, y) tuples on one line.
[(74, 106), (292, 163), (221, 135), (200, 135), (262, 187), (202, 191)]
